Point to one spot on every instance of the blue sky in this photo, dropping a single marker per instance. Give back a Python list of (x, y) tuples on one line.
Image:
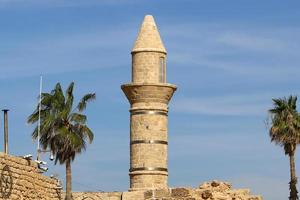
[(228, 59)]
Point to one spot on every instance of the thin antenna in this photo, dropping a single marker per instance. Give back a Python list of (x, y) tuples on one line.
[(39, 122)]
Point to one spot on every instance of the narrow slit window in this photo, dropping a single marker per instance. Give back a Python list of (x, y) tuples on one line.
[(162, 70), (132, 72)]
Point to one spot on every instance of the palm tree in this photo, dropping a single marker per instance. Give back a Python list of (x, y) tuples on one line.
[(285, 131), (63, 127)]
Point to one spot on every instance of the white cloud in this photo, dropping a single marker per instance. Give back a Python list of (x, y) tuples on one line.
[(265, 52), (72, 51), (257, 51), (252, 42), (234, 105)]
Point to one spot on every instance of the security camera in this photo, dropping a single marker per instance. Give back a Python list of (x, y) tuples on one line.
[(43, 168), (51, 157), (59, 187), (28, 157), (40, 162)]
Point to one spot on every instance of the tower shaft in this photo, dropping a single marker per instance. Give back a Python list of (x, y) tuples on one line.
[(149, 95)]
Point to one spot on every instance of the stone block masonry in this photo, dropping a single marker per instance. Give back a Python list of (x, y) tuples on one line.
[(149, 95), (214, 190), (21, 179)]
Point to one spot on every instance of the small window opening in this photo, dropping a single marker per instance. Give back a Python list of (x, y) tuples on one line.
[(162, 70)]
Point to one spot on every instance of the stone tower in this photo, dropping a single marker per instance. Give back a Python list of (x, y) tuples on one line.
[(149, 95)]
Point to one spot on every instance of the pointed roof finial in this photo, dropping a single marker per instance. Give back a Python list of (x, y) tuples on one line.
[(148, 38)]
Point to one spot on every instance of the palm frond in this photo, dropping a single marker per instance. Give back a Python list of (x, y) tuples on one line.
[(63, 131), (69, 100), (85, 99), (58, 100), (77, 118), (88, 132), (285, 129)]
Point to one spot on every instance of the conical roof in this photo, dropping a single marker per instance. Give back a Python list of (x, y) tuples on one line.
[(148, 38)]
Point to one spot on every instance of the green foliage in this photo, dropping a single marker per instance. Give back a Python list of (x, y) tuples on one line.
[(63, 127), (285, 131)]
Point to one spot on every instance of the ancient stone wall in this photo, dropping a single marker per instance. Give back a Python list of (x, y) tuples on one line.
[(146, 67), (21, 179), (214, 190)]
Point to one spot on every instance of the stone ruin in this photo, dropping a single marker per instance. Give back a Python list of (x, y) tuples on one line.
[(214, 190)]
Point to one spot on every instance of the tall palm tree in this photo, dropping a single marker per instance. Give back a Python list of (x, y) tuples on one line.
[(285, 131), (63, 127)]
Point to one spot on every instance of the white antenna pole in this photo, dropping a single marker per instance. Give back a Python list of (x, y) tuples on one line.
[(39, 122)]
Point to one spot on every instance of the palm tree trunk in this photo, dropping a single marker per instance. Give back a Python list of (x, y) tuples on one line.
[(293, 182), (68, 180)]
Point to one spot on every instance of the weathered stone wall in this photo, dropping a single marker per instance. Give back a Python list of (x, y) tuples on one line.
[(146, 67), (214, 190), (21, 179)]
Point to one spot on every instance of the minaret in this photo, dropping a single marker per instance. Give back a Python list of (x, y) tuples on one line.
[(149, 95)]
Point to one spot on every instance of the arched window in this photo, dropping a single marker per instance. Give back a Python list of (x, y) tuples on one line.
[(162, 70)]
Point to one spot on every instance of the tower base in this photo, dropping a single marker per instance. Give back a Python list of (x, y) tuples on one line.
[(141, 180)]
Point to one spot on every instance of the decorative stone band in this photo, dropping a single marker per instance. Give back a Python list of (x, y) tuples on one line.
[(148, 92), (148, 169), (159, 50), (149, 112), (149, 142)]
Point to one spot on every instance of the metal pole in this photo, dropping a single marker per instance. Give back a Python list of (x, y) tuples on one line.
[(39, 122), (5, 131)]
